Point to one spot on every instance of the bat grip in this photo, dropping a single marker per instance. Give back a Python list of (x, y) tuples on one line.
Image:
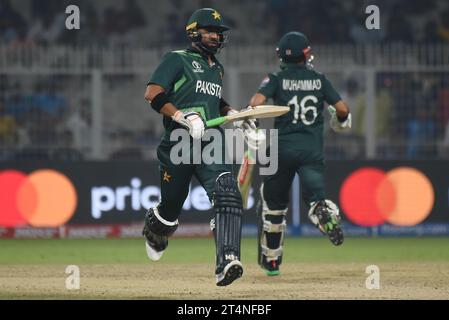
[(215, 122)]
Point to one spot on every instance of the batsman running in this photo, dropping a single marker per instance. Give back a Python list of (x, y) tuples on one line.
[(186, 88), (300, 147)]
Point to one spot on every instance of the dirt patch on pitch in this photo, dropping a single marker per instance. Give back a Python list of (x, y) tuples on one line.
[(196, 281)]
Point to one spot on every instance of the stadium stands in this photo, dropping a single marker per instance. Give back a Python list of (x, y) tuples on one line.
[(79, 94)]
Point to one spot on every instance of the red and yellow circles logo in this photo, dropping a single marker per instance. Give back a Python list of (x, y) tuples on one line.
[(403, 196), (44, 198)]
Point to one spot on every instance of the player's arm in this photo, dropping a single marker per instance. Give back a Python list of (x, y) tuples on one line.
[(266, 90), (159, 101), (257, 100), (226, 109), (340, 114), (341, 119), (168, 109), (342, 110), (162, 79)]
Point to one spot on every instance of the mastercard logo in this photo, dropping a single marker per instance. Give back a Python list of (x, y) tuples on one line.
[(403, 196), (43, 198)]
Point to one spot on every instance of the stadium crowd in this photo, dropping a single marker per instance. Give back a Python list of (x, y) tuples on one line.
[(40, 118), (156, 23)]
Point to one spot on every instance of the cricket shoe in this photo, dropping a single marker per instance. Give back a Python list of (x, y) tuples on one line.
[(325, 215), (232, 270), (155, 245), (271, 268)]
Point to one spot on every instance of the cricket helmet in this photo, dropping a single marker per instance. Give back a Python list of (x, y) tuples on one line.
[(211, 20), (294, 47)]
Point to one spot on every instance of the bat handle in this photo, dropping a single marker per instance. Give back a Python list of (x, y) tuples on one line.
[(215, 122)]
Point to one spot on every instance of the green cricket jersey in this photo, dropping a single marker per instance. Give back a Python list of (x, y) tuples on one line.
[(304, 91), (190, 84)]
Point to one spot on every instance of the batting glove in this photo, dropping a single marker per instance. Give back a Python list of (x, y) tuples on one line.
[(335, 124), (192, 121), (247, 124), (254, 138)]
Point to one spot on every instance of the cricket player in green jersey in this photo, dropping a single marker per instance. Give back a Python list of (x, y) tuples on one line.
[(300, 147), (186, 88)]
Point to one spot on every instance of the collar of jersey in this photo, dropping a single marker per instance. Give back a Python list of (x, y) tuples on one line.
[(285, 65), (195, 51)]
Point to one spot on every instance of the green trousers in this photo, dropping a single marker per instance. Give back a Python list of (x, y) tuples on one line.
[(175, 180), (308, 164)]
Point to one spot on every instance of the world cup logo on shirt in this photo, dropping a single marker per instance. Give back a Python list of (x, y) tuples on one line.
[(197, 68)]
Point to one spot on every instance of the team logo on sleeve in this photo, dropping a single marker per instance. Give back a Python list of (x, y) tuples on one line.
[(197, 68), (264, 82)]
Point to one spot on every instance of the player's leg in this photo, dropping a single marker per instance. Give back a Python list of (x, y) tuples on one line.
[(323, 213), (221, 186), (162, 221), (272, 222)]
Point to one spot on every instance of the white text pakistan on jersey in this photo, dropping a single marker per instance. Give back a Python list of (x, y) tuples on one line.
[(209, 88)]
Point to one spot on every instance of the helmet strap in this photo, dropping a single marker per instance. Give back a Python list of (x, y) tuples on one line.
[(197, 38)]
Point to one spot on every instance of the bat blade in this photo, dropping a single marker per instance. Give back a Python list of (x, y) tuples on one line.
[(258, 112), (245, 176)]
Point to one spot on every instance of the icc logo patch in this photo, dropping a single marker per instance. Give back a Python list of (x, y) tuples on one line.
[(197, 68), (288, 52)]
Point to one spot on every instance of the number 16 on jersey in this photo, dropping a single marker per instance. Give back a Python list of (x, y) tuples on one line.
[(301, 109)]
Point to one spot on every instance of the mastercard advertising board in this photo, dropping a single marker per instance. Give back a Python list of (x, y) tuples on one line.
[(402, 196), (51, 195), (42, 198), (370, 194), (392, 197)]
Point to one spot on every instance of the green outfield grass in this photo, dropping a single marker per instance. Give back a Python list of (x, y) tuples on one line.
[(200, 250)]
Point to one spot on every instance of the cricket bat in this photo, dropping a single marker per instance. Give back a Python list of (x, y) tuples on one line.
[(258, 112), (245, 176), (255, 140)]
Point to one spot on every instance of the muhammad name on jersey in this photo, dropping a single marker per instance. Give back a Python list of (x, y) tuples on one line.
[(209, 88), (301, 85)]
